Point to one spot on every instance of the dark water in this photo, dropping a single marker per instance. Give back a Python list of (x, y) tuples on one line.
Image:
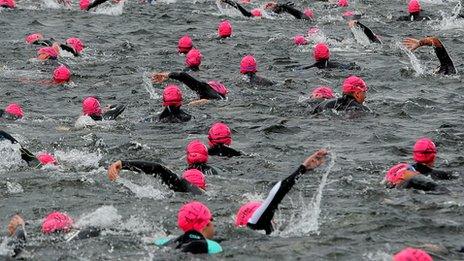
[(359, 219)]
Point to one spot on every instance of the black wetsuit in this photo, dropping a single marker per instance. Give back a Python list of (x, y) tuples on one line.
[(203, 89), (44, 42), (191, 241), (174, 115), (262, 217), (111, 114), (203, 167), (326, 64), (446, 64), (168, 177), (368, 32), (414, 17), (433, 173), (288, 8), (25, 154), (256, 80), (96, 3), (69, 49), (223, 151), (344, 103)]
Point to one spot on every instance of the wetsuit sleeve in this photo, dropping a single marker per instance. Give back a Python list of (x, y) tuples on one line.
[(25, 154), (201, 88), (223, 151), (238, 7), (288, 8), (368, 32), (168, 177), (446, 64), (261, 218), (113, 112), (68, 49), (419, 182), (95, 4)]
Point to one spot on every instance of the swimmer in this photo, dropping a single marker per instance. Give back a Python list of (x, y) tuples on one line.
[(196, 221), (319, 95), (13, 111), (248, 68), (259, 215), (424, 154), (91, 107), (274, 7), (197, 157), (192, 181), (404, 176), (172, 101), (10, 4), (446, 64), (354, 93), (412, 254), (212, 90), (219, 140), (86, 5), (38, 39), (367, 31), (415, 12), (321, 54)]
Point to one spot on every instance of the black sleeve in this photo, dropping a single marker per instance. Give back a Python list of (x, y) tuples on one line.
[(95, 4), (221, 150), (68, 49), (419, 182), (25, 154), (167, 176), (203, 89), (261, 218), (114, 112), (439, 174), (446, 64), (292, 11), (324, 105), (368, 32), (238, 7)]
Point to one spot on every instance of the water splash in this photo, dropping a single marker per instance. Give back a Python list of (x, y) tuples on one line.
[(360, 36), (227, 10), (84, 121), (102, 217), (79, 158), (51, 4), (10, 156), (378, 256), (315, 35), (113, 10), (306, 217), (14, 188), (142, 191), (451, 22), (147, 84), (416, 65), (4, 249)]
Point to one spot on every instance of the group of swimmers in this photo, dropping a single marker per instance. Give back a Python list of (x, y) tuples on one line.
[(194, 218)]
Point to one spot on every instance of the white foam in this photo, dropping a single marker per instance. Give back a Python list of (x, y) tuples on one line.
[(416, 65), (78, 158), (14, 188), (10, 156), (103, 217), (147, 84), (113, 10), (146, 191)]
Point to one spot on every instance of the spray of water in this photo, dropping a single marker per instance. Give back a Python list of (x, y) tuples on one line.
[(10, 156), (451, 22), (78, 158), (416, 65), (14, 188), (4, 250), (149, 86), (103, 217), (226, 9), (51, 4), (141, 191), (360, 36), (113, 10)]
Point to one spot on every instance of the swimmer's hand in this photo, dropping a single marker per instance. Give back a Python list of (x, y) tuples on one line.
[(352, 23), (315, 160), (114, 169), (159, 77), (15, 222), (411, 43), (198, 102)]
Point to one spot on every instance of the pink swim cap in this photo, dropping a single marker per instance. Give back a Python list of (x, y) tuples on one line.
[(193, 216), (197, 152), (195, 177), (224, 29), (342, 3), (245, 1), (219, 88), (424, 151), (309, 13), (61, 74), (8, 3), (91, 107), (219, 133), (248, 65), (185, 44), (50, 52), (353, 84), (56, 221), (300, 40), (193, 58), (46, 158), (15, 110), (30, 39), (313, 30), (348, 14), (76, 44), (245, 212), (323, 92), (256, 12), (84, 4), (414, 7), (395, 174), (321, 52), (172, 96), (412, 254)]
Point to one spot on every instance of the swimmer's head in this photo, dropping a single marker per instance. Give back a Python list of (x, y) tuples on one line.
[(248, 65), (46, 53), (224, 29), (342, 3), (309, 13), (300, 40), (322, 93), (14, 111), (399, 173), (46, 159), (414, 7), (219, 133), (185, 44), (32, 38), (197, 152), (193, 58), (412, 254), (55, 222), (321, 52), (245, 212), (425, 151), (91, 107), (219, 88), (8, 3), (195, 177), (61, 74), (355, 87), (76, 44), (196, 216), (172, 96), (312, 31), (84, 4), (256, 12)]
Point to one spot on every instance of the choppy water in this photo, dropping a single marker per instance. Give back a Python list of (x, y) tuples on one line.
[(357, 219)]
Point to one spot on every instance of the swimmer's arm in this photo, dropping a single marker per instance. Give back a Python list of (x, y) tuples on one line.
[(419, 182), (292, 11), (439, 174), (368, 32), (4, 135), (224, 151), (69, 49), (442, 55), (238, 7), (188, 80)]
